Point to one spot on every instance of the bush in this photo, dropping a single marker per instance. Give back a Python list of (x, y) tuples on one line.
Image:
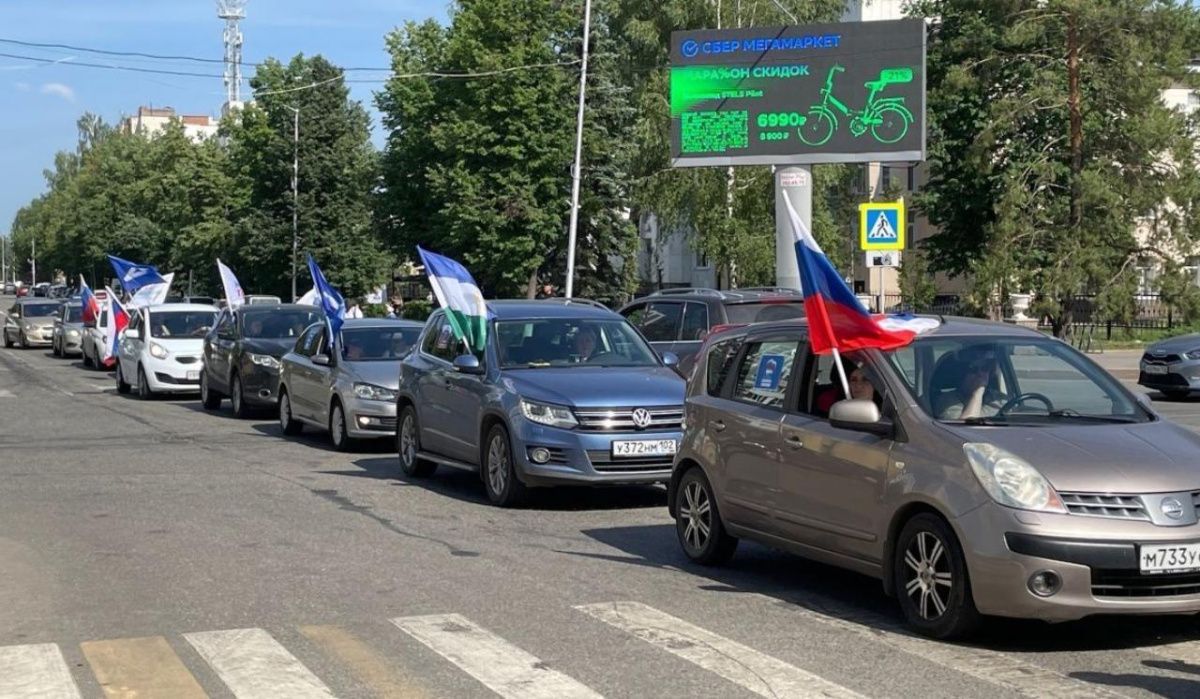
[(374, 310), (417, 310)]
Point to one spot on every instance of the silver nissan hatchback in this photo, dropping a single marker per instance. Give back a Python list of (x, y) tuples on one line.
[(984, 469)]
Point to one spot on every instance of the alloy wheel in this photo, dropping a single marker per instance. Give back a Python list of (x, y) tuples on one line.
[(497, 464), (285, 411), (928, 579), (337, 426), (408, 441), (697, 513), (235, 396)]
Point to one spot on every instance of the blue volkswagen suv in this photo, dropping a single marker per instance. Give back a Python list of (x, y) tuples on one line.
[(566, 392)]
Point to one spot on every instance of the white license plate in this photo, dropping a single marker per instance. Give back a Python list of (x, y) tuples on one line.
[(644, 447), (1169, 558), (1155, 369), (193, 376)]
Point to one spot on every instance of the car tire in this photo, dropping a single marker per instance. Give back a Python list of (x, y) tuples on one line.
[(1176, 395), (8, 343), (931, 580), (54, 348), (287, 424), (698, 524), (499, 472), (237, 398), (339, 434), (210, 399), (24, 341), (122, 386), (408, 445), (87, 359), (144, 390)]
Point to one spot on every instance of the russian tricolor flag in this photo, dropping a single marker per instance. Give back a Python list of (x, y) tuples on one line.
[(91, 307), (836, 319), (119, 318)]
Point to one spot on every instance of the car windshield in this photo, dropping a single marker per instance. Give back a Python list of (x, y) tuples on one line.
[(763, 311), (74, 314), (378, 344), (40, 310), (178, 324), (278, 324), (1005, 381), (528, 344)]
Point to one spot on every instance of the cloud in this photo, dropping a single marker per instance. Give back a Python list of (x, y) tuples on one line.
[(23, 87), (59, 90)]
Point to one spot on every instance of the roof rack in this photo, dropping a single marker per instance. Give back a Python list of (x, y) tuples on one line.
[(771, 289), (699, 290), (567, 302)]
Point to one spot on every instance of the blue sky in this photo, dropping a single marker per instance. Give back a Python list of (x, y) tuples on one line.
[(39, 104)]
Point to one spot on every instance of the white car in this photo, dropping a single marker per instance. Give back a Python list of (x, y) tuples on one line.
[(160, 350), (95, 335)]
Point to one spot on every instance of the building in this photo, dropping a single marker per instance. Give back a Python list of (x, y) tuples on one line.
[(150, 121)]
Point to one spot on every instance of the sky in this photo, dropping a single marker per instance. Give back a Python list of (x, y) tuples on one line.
[(40, 103)]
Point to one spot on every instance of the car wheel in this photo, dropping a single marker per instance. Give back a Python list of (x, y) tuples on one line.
[(930, 578), (54, 348), (87, 359), (23, 340), (240, 410), (122, 386), (698, 522), (287, 425), (408, 445), (8, 343), (144, 391), (338, 433), (499, 473), (210, 399)]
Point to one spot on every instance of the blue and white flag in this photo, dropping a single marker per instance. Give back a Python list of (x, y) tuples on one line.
[(458, 293), (330, 301), (133, 275)]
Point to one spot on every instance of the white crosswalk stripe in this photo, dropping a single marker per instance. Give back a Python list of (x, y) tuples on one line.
[(758, 672), (35, 671), (502, 667), (255, 666)]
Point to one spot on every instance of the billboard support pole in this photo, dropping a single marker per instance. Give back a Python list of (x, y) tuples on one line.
[(795, 183)]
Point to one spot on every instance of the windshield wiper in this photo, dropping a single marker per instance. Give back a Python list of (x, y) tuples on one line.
[(1067, 413), (985, 420)]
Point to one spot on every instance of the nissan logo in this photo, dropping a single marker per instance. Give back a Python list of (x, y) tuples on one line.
[(1171, 508), (641, 418)]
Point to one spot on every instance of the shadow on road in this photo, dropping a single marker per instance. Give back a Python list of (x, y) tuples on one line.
[(1172, 687)]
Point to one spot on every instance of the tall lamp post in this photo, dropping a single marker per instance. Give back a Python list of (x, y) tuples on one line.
[(295, 193), (572, 231)]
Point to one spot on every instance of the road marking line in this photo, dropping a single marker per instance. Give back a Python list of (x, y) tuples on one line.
[(502, 667), (255, 666), (35, 671), (990, 666), (371, 668), (758, 672), (140, 668)]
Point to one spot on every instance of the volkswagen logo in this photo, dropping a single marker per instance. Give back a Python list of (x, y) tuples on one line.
[(1171, 508), (641, 418)]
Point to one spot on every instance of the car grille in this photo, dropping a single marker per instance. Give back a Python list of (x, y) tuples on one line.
[(621, 419), (1160, 358), (187, 360), (1105, 505), (1131, 583), (1162, 379), (603, 462)]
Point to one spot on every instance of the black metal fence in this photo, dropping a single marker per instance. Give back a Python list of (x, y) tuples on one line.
[(1147, 312)]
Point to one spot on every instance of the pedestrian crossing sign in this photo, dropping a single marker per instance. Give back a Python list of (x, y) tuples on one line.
[(882, 225)]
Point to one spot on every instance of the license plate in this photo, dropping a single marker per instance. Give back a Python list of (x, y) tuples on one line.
[(193, 376), (1170, 558), (1155, 369), (644, 447)]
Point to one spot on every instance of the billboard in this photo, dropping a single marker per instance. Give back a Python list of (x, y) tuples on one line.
[(816, 93)]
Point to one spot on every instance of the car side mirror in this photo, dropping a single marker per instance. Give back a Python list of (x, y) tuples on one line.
[(1143, 400), (467, 364), (321, 360), (670, 359), (860, 416)]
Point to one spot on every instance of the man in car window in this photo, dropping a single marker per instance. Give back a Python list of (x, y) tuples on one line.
[(255, 328), (585, 343), (972, 397)]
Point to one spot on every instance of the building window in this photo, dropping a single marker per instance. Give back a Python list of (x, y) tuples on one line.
[(701, 259), (1147, 283)]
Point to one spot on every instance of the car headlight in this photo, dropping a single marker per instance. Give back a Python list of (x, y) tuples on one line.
[(264, 360), (547, 414), (1011, 480), (158, 351), (369, 391), (1194, 354), (72, 333)]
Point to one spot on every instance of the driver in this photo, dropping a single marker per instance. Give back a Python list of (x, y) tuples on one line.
[(255, 328), (585, 343), (972, 397), (354, 350)]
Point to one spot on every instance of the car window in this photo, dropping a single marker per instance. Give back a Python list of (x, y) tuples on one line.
[(180, 324), (551, 342), (306, 346), (103, 323), (823, 387), (73, 314), (385, 343), (661, 321), (720, 361), (440, 341), (763, 311), (695, 322), (278, 324), (40, 310), (135, 322), (635, 314), (765, 371)]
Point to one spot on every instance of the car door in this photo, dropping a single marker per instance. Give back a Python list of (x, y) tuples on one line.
[(318, 379), (434, 413), (12, 322), (659, 321), (216, 361), (129, 346), (831, 479), (297, 367), (464, 398)]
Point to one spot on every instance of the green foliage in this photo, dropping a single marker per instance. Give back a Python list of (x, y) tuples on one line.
[(917, 288), (417, 310)]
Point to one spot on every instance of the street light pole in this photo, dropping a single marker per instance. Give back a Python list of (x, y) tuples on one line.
[(295, 194), (33, 262), (572, 231)]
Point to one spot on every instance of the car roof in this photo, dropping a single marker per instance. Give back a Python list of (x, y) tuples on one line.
[(24, 300), (728, 296), (352, 323), (951, 326), (523, 309), (181, 307), (275, 307)]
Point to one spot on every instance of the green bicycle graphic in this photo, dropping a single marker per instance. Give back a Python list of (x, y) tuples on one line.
[(887, 118)]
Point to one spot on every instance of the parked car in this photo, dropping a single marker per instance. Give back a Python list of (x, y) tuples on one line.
[(241, 354), (41, 290), (159, 352), (30, 323), (95, 335), (678, 320), (68, 330), (10, 288), (985, 469), (1172, 366), (255, 300), (22, 290), (350, 392), (565, 392)]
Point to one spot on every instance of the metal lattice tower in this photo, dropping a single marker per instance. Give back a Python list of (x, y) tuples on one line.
[(233, 12)]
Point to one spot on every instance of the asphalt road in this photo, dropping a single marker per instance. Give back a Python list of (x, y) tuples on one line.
[(155, 549)]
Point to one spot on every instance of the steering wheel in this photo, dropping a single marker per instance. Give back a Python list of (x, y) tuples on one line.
[(594, 357), (1018, 400)]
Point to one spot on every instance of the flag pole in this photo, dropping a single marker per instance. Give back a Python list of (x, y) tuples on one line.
[(837, 360)]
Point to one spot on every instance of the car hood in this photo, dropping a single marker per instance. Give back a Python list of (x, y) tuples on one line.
[(39, 322), (73, 326), (582, 387), (1175, 345), (181, 345), (275, 348), (1150, 457), (382, 373)]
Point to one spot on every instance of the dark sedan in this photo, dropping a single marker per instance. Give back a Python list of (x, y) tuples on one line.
[(242, 352)]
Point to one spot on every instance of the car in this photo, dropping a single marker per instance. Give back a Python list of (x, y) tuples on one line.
[(678, 320), (1172, 366), (159, 351), (254, 300), (30, 323), (58, 291), (241, 354), (985, 470), (10, 288), (41, 289), (350, 392), (565, 392), (68, 330), (201, 300), (22, 290), (96, 338)]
